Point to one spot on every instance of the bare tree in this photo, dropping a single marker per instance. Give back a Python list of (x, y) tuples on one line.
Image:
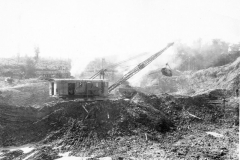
[(36, 57), (30, 68)]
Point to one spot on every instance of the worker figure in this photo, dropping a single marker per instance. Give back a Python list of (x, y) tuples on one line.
[(237, 109)]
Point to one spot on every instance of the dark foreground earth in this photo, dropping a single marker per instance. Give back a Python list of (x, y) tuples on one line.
[(145, 127)]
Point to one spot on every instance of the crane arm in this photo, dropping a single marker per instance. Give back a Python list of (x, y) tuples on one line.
[(139, 67), (115, 65), (98, 73)]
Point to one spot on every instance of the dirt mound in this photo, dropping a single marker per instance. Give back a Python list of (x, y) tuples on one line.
[(193, 116), (85, 125), (182, 108), (79, 124), (146, 127)]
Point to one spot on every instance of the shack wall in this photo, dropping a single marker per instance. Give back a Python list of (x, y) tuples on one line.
[(82, 88)]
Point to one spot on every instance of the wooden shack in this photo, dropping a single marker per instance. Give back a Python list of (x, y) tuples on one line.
[(95, 89)]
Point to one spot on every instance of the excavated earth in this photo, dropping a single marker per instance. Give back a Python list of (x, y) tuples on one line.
[(145, 127)]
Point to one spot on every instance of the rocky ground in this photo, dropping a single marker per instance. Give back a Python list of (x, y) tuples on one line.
[(145, 127)]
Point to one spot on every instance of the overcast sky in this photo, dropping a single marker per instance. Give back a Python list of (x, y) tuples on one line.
[(73, 28)]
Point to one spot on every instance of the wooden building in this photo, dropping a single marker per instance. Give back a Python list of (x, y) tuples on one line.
[(87, 89)]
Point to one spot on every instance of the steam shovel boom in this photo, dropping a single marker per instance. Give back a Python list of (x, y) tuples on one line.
[(93, 89), (138, 68)]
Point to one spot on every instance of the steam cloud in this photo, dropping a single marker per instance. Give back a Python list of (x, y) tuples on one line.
[(182, 56), (203, 54), (78, 64)]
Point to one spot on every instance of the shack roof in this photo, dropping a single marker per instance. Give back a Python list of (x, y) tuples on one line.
[(70, 80)]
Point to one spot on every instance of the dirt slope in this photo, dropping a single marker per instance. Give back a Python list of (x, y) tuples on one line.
[(223, 77), (196, 82), (30, 92)]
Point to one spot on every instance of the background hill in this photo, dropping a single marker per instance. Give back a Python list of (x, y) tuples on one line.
[(195, 82)]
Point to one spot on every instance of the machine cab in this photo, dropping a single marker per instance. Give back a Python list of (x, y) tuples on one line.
[(79, 88)]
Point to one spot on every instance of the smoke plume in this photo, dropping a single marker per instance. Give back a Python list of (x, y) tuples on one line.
[(78, 64), (202, 54)]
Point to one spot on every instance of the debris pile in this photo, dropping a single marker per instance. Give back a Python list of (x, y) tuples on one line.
[(181, 108), (120, 127), (81, 124)]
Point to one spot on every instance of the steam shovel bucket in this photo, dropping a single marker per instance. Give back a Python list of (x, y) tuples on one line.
[(166, 72)]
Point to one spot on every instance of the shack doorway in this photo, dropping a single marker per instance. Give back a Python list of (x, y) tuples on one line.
[(51, 88), (71, 88)]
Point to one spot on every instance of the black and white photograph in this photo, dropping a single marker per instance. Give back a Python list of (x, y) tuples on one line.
[(119, 79)]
